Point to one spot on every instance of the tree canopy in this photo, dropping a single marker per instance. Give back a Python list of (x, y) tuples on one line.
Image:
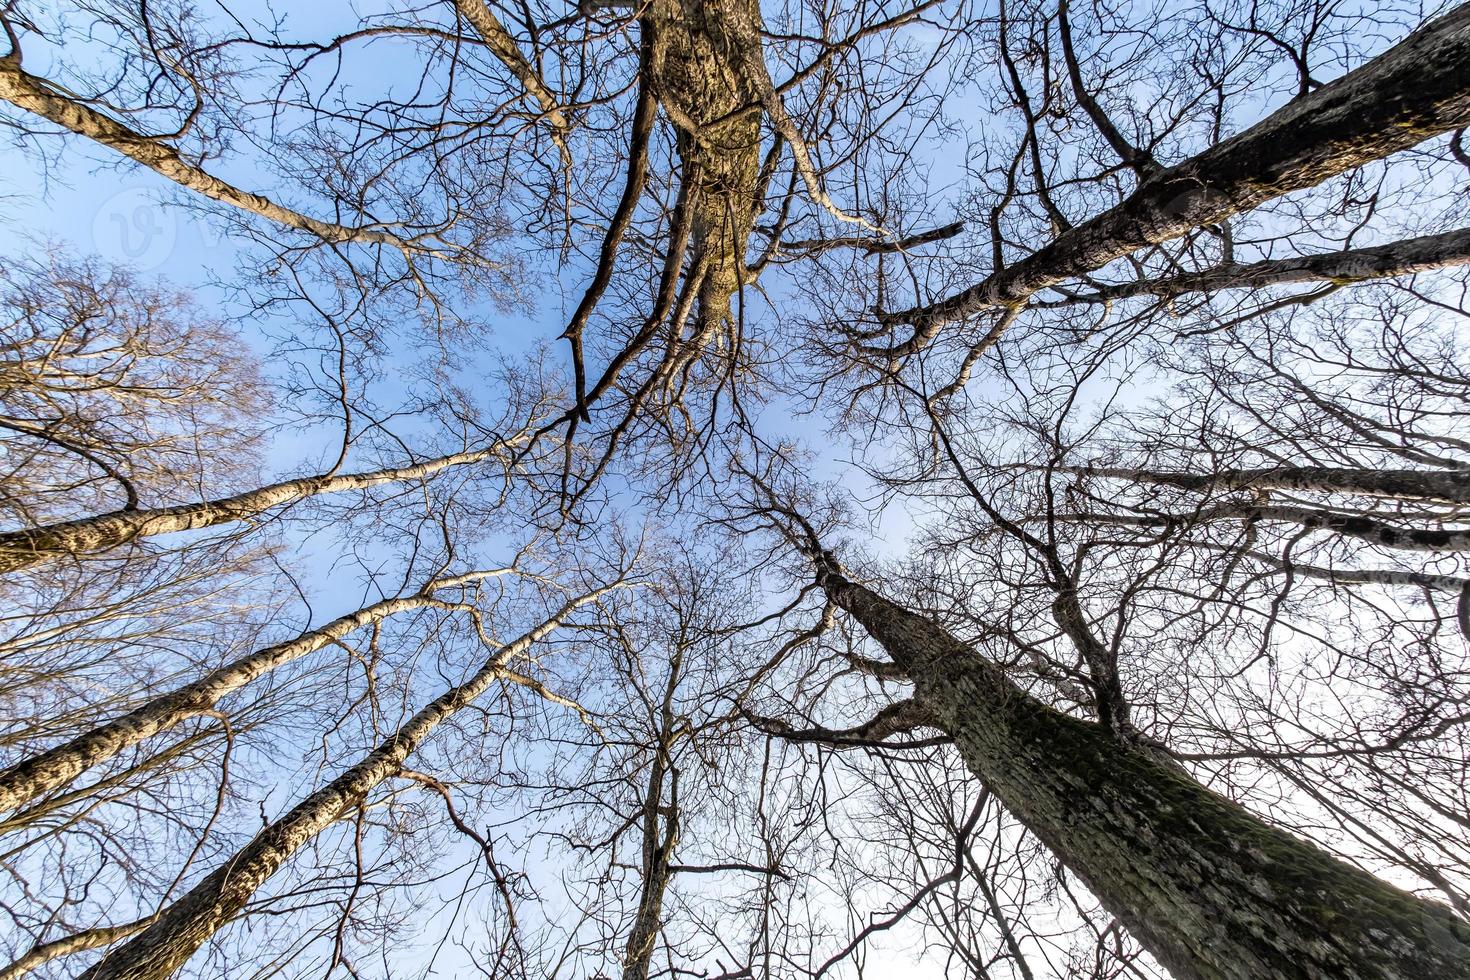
[(735, 489)]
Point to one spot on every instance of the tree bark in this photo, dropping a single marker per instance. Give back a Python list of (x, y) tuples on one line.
[(1400, 258), (78, 942), (1415, 90), (90, 535), (696, 65), (164, 947), (56, 767), (1211, 891), (36, 95), (659, 841), (1439, 486)]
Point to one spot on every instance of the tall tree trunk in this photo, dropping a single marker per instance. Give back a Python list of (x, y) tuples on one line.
[(51, 102), (27, 780), (716, 109), (659, 840), (90, 535), (179, 931), (660, 835), (1443, 486), (1417, 89), (1210, 890)]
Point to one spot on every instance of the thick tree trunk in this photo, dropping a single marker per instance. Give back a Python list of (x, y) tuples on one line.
[(1210, 890), (1418, 89), (57, 767), (90, 535), (696, 63), (167, 944)]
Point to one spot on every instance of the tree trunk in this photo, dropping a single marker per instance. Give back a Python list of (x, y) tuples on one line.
[(54, 768), (1417, 89), (716, 110), (90, 535), (659, 840), (660, 836), (1441, 486), (164, 947), (1211, 891)]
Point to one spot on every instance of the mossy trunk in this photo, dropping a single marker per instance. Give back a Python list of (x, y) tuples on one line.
[(716, 112), (1211, 891)]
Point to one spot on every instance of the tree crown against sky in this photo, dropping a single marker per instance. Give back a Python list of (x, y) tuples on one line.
[(735, 489)]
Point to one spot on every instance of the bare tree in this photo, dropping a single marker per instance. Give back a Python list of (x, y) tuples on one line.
[(1139, 321), (1143, 835), (114, 390), (174, 935)]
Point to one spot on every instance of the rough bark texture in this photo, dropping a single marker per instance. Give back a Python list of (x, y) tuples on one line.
[(1418, 89), (90, 535), (1211, 891), (716, 110), (167, 944), (80, 942), (35, 95)]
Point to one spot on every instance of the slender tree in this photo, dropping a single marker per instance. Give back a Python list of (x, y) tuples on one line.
[(173, 936)]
